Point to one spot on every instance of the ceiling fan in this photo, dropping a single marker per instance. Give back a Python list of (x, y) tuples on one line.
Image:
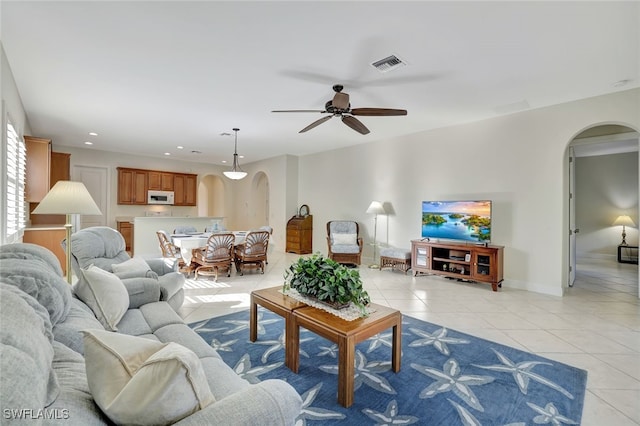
[(340, 106)]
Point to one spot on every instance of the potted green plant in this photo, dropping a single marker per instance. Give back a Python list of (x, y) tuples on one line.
[(327, 281)]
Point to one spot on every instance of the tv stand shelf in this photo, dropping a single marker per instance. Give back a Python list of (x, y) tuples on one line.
[(469, 262)]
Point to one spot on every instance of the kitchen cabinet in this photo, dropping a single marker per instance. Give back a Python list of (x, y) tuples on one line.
[(160, 181), (60, 170), (132, 186), (126, 229), (185, 189), (51, 238), (38, 168)]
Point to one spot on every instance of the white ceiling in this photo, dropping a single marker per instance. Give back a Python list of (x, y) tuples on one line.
[(149, 76)]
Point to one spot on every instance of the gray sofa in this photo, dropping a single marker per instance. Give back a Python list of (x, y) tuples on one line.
[(42, 361)]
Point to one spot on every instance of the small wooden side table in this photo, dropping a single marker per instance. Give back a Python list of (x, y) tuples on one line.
[(278, 303), (346, 334), (630, 254)]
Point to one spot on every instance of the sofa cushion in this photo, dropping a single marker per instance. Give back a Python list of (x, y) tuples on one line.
[(136, 380), (35, 279), (80, 318), (105, 294), (74, 405), (134, 267), (27, 353)]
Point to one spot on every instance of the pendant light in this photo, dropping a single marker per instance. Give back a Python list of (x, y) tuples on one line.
[(236, 172)]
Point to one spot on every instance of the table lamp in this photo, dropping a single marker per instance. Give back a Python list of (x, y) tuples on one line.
[(623, 220), (68, 197), (375, 208)]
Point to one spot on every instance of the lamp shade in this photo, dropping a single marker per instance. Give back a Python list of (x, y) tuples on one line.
[(235, 175), (623, 220), (376, 208), (67, 197)]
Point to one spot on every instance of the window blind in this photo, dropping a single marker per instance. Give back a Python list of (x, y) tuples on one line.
[(16, 165)]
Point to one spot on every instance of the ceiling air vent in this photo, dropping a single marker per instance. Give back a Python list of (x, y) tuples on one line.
[(389, 63)]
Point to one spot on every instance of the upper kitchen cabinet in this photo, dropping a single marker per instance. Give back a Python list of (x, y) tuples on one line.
[(38, 168), (160, 181), (60, 170), (132, 186), (185, 189)]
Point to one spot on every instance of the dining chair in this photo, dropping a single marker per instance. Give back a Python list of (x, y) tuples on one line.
[(187, 229), (170, 251), (216, 255), (253, 252)]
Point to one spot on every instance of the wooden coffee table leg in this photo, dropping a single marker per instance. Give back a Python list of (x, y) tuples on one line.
[(346, 370), (253, 320), (292, 345), (396, 351)]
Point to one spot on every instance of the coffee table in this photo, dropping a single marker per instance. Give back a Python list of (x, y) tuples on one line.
[(346, 334), (278, 303)]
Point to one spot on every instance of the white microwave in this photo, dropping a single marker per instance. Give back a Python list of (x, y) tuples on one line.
[(160, 197)]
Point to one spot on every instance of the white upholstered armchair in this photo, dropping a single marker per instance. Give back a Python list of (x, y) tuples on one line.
[(344, 241)]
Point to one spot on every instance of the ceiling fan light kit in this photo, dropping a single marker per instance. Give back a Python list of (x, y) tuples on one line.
[(236, 173), (339, 106)]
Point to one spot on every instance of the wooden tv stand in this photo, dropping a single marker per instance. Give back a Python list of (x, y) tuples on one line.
[(461, 261)]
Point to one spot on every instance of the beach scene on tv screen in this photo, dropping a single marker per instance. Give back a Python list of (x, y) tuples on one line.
[(457, 220)]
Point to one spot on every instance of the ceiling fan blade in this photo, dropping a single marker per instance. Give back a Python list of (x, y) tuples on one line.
[(378, 111), (355, 124), (298, 110), (315, 123), (341, 100)]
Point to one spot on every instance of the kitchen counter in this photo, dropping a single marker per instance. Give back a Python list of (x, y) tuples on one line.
[(145, 240)]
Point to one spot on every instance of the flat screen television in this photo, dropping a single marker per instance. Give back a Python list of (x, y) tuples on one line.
[(457, 220)]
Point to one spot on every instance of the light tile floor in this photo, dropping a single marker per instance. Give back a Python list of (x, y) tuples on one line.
[(595, 326)]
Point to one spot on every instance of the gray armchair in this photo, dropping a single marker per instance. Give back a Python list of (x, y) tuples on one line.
[(344, 241), (103, 247)]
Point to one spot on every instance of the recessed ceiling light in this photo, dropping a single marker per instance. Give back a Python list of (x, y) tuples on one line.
[(241, 156), (88, 143), (167, 153), (224, 161), (180, 147), (93, 134)]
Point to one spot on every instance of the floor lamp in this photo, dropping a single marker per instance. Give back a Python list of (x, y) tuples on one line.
[(67, 197), (375, 208), (623, 220)]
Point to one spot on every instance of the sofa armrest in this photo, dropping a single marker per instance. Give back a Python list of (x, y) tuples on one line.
[(170, 284), (272, 402), (142, 291), (163, 265)]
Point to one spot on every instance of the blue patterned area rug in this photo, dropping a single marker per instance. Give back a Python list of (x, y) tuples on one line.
[(447, 377)]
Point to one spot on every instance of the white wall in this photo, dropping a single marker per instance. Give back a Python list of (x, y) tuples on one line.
[(606, 187), (518, 161), (11, 109)]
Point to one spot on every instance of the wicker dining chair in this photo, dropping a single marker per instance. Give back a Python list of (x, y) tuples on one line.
[(253, 252), (216, 255), (170, 251)]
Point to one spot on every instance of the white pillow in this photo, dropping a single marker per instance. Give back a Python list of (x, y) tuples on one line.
[(105, 294), (346, 239), (134, 266), (141, 381)]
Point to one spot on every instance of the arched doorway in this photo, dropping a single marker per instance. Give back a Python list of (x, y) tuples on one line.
[(603, 183)]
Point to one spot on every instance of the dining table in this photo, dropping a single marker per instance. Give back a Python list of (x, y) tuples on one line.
[(194, 240)]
